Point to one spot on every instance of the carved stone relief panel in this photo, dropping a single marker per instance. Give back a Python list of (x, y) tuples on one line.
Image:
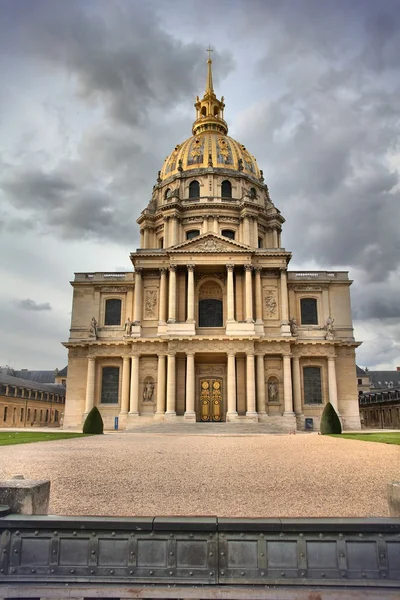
[(211, 370), (150, 303), (271, 303)]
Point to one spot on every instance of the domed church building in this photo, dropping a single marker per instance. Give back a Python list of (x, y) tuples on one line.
[(211, 326)]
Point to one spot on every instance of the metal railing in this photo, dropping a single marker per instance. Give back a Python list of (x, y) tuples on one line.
[(155, 553)]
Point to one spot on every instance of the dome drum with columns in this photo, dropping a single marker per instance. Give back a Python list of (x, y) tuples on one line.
[(211, 326)]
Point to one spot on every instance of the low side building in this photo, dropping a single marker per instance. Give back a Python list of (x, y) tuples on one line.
[(27, 403), (380, 409)]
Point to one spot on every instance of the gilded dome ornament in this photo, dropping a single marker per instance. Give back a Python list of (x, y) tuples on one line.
[(210, 145)]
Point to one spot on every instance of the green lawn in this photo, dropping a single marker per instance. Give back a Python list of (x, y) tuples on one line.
[(26, 437), (383, 438)]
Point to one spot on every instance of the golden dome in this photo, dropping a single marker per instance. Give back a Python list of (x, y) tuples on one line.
[(210, 149), (210, 145)]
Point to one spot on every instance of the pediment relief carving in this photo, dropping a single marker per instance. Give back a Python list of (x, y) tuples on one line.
[(212, 243)]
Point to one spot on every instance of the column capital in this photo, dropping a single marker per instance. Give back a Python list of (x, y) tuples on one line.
[(138, 270), (172, 268), (163, 271), (230, 353), (230, 267), (190, 353), (190, 267), (332, 358), (248, 267), (258, 270), (283, 269)]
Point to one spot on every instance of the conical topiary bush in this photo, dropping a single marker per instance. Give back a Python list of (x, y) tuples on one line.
[(93, 422), (330, 422)]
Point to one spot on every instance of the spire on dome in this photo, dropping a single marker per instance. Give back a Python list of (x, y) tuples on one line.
[(209, 84), (209, 110)]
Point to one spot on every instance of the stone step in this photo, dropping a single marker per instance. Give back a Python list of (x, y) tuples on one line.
[(210, 429)]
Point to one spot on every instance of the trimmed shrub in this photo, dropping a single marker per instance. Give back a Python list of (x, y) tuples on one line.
[(330, 422), (93, 422)]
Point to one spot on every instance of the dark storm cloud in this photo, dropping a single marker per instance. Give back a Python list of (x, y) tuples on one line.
[(117, 51), (28, 304)]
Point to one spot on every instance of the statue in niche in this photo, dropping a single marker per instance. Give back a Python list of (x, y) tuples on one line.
[(273, 392), (93, 328), (293, 326), (148, 391), (128, 326), (329, 328)]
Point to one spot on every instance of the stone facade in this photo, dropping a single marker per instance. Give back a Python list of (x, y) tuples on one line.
[(211, 325)]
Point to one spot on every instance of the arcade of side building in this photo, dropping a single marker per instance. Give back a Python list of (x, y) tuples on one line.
[(211, 326)]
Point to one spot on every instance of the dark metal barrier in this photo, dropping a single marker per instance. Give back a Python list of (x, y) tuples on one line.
[(356, 554)]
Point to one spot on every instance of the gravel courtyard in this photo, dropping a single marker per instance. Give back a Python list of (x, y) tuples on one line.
[(304, 475)]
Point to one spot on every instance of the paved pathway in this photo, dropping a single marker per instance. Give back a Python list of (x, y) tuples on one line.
[(223, 474)]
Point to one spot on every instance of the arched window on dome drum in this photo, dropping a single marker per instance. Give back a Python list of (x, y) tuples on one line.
[(228, 233), (253, 193), (113, 312), (192, 234), (194, 189), (226, 189), (167, 193), (309, 313)]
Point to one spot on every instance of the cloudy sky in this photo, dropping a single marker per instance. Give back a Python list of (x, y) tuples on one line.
[(95, 93)]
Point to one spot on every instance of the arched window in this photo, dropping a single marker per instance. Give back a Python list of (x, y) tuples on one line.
[(228, 233), (226, 189), (203, 111), (192, 234), (194, 189), (260, 242), (253, 193), (309, 313), (161, 242), (167, 193), (216, 111), (113, 312), (210, 305)]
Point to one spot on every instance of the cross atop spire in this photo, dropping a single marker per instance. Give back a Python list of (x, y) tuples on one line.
[(209, 83)]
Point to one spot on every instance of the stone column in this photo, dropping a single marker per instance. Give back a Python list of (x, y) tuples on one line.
[(125, 385), (275, 237), (246, 231), (296, 385), (249, 294), (134, 400), (166, 232), (171, 386), (287, 385), (189, 409), (332, 384), (255, 233), (205, 224), (161, 384), (172, 295), (91, 372), (216, 225), (174, 225), (284, 298), (137, 309), (230, 294), (232, 411), (190, 294), (250, 386), (146, 237), (259, 316), (260, 384), (163, 297)]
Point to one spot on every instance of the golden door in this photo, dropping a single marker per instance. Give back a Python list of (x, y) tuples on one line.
[(210, 399)]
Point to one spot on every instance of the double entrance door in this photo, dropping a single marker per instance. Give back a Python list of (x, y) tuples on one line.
[(211, 399)]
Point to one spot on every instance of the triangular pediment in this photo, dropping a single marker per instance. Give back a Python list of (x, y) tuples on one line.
[(209, 242)]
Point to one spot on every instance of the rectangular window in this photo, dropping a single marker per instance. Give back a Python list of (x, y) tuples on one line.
[(312, 385), (360, 382), (109, 385), (21, 415), (113, 312), (41, 416), (5, 414), (29, 414), (34, 415), (309, 314)]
